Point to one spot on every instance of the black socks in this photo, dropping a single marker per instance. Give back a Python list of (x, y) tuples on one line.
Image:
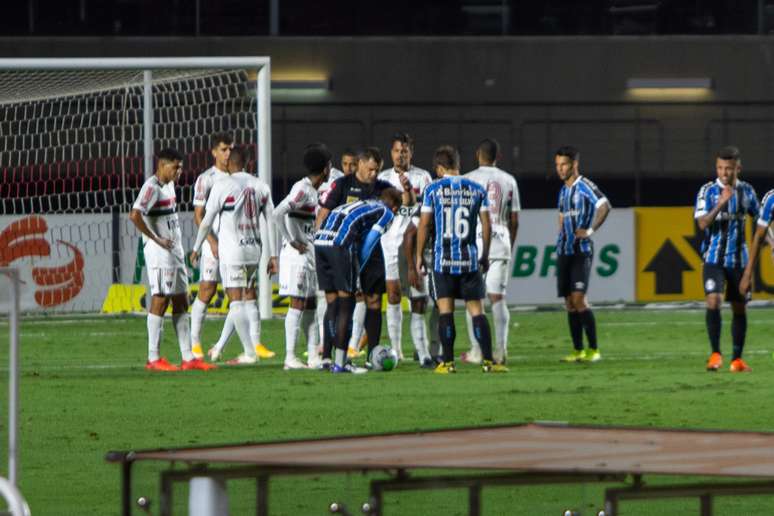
[(576, 329), (483, 335), (448, 333), (344, 321), (329, 328), (373, 328), (590, 327), (713, 328), (738, 333)]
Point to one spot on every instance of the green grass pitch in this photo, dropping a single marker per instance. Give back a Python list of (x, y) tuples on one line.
[(84, 391)]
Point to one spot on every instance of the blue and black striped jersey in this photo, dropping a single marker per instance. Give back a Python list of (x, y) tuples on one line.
[(724, 240), (455, 203), (349, 223), (766, 215), (578, 205)]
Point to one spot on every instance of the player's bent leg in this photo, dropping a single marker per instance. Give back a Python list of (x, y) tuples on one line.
[(576, 331), (155, 323), (358, 322), (309, 326), (183, 330), (419, 331), (738, 333), (501, 319), (447, 333), (394, 316), (242, 326), (199, 313), (713, 322), (293, 322)]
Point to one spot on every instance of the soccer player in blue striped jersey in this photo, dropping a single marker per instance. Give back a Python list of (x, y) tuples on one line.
[(453, 205), (764, 231), (721, 210), (583, 209), (343, 247)]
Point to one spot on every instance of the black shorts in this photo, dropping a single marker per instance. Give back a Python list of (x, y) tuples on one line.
[(468, 286), (717, 279), (336, 268), (372, 278), (572, 273)]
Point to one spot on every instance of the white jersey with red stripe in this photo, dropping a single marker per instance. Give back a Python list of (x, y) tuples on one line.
[(240, 200), (504, 199), (419, 179), (297, 212), (333, 176), (202, 189), (158, 205)]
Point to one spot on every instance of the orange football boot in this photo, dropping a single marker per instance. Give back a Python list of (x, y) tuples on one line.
[(197, 364), (161, 365), (739, 366), (714, 362)]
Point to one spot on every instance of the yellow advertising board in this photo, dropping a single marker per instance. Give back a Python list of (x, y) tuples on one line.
[(669, 264)]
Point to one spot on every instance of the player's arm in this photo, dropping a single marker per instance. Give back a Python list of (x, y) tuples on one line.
[(409, 238), (703, 218), (486, 238), (136, 217), (268, 216), (374, 235), (422, 232), (408, 196), (513, 227), (213, 207), (757, 242), (280, 212), (329, 200), (211, 238)]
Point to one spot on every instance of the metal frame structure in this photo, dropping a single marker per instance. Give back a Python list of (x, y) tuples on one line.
[(13, 374), (147, 64), (528, 457)]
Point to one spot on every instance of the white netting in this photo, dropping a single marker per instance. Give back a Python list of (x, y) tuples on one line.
[(71, 163)]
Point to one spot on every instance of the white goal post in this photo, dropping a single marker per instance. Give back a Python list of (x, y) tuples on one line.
[(148, 67)]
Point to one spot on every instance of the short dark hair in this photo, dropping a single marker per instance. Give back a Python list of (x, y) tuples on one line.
[(238, 156), (349, 151), (219, 138), (729, 152), (316, 158), (402, 138), (391, 197), (489, 149), (370, 153), (169, 154), (568, 151), (447, 156)]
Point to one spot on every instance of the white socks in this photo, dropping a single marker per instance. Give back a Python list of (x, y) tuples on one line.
[(251, 309), (358, 321), (501, 318), (309, 327), (183, 331), (242, 326), (155, 324), (225, 333), (395, 325), (322, 304), (292, 325), (474, 347), (339, 356), (419, 336), (198, 312)]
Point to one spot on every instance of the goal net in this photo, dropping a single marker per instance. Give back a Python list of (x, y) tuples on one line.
[(77, 140)]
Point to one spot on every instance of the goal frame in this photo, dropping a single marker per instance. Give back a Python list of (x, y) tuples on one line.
[(261, 64)]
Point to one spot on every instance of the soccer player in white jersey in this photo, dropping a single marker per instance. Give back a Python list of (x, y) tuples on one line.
[(294, 218), (221, 144), (411, 181), (240, 200), (154, 213), (504, 207)]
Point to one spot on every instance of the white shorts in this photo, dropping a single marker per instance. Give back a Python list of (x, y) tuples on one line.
[(238, 276), (208, 265), (296, 278), (168, 281), (391, 250), (497, 276)]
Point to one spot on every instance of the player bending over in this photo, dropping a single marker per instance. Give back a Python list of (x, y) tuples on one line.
[(721, 209), (154, 213), (239, 200), (294, 218), (504, 207), (583, 209), (344, 246), (453, 205)]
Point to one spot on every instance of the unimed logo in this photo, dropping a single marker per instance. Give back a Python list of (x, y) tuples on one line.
[(530, 259), (23, 238)]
